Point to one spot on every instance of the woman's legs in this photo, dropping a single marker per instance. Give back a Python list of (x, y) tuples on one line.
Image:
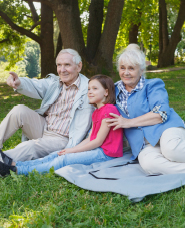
[(44, 164), (172, 143), (166, 158)]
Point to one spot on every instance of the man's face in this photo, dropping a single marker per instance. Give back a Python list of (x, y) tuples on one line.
[(67, 70)]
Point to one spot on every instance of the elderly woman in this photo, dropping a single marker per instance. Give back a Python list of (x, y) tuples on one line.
[(154, 131)]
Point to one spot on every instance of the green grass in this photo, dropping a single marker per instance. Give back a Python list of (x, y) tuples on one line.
[(50, 201)]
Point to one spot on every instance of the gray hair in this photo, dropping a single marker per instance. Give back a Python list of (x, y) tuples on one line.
[(132, 55), (76, 57)]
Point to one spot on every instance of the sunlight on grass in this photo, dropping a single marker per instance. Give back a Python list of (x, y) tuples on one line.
[(6, 97), (171, 87), (165, 77)]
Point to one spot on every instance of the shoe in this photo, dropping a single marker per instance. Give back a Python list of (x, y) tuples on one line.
[(5, 159), (5, 169)]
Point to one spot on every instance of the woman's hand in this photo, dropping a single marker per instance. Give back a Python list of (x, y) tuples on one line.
[(66, 151), (118, 122), (147, 119)]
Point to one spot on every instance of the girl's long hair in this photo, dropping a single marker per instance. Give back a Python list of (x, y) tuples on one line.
[(108, 84)]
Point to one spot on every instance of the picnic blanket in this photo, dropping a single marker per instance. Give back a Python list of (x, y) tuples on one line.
[(120, 175)]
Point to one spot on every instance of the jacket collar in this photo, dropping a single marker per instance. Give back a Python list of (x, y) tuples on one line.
[(83, 89)]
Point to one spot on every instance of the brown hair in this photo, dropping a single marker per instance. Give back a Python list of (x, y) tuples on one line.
[(108, 84)]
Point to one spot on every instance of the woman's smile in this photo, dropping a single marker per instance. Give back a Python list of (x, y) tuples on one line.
[(130, 75)]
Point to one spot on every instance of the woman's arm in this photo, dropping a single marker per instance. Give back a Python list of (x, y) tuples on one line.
[(156, 96), (90, 145), (147, 119)]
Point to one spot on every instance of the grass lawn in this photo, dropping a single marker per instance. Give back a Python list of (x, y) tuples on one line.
[(50, 201)]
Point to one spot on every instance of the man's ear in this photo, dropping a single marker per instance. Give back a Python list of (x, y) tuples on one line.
[(79, 67)]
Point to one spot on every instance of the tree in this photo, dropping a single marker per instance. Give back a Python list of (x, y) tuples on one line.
[(32, 54), (139, 24), (101, 42), (168, 42), (14, 15)]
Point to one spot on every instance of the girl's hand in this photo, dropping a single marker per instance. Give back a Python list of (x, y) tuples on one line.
[(66, 151), (118, 122)]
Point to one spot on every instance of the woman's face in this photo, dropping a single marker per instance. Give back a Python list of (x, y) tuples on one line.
[(130, 75)]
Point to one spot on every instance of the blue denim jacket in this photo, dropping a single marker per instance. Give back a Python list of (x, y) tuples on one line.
[(141, 102)]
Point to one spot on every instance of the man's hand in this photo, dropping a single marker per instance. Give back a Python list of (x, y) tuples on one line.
[(66, 151), (13, 80)]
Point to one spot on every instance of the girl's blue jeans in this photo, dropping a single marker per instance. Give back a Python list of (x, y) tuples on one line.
[(56, 161)]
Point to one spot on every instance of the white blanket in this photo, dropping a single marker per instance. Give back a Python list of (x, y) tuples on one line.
[(120, 175)]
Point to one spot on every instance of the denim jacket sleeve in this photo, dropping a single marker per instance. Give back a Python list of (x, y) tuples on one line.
[(158, 96)]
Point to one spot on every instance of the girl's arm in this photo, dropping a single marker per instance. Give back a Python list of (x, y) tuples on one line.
[(85, 141), (90, 145), (147, 119)]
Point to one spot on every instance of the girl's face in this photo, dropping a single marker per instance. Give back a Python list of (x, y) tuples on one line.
[(96, 93), (130, 75)]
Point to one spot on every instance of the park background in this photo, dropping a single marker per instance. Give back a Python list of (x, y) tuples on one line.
[(31, 35)]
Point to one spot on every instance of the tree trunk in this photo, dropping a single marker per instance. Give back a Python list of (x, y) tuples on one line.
[(47, 47), (133, 33), (59, 45), (166, 54), (94, 27), (163, 29), (68, 16), (108, 39)]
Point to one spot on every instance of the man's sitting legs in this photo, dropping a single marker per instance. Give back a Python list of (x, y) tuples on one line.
[(20, 116), (41, 143), (38, 148)]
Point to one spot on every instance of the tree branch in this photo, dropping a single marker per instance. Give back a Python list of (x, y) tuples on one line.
[(33, 11), (178, 25), (35, 25), (20, 29), (3, 41)]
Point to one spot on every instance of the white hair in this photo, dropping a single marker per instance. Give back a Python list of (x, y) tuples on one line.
[(76, 57), (132, 55)]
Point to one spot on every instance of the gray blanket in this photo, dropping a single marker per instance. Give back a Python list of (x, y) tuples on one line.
[(120, 175)]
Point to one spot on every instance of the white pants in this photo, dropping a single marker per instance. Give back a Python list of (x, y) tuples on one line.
[(168, 156), (41, 142)]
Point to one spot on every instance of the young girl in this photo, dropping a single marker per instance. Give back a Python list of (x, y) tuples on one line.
[(103, 143)]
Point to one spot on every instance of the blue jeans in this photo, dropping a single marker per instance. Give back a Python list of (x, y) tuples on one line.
[(56, 161)]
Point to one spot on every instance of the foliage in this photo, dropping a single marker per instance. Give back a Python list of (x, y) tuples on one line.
[(180, 52), (12, 50), (84, 16), (50, 201), (134, 12), (18, 68), (31, 60), (13, 47), (144, 13)]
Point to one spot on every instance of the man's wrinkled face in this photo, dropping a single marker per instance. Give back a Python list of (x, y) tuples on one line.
[(68, 71)]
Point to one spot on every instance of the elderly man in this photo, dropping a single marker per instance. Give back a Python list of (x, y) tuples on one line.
[(64, 117)]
